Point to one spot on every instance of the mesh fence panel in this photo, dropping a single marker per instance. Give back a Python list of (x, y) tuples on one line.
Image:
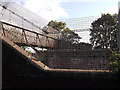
[(25, 30)]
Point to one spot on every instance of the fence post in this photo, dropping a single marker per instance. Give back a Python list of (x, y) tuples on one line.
[(25, 36), (48, 42), (40, 43), (3, 29)]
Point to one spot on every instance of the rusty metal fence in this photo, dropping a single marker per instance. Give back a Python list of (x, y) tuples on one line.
[(25, 36)]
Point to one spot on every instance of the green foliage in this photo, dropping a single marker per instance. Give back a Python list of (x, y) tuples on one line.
[(103, 32), (65, 33), (115, 61), (57, 25)]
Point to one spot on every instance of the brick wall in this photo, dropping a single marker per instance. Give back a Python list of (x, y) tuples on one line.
[(93, 59)]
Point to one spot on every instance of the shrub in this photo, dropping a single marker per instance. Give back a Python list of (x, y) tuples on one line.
[(114, 61)]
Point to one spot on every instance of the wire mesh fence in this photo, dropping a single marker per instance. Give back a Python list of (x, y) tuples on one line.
[(57, 53), (47, 48)]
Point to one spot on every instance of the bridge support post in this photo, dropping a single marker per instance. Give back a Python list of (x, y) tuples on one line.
[(2, 29), (24, 35)]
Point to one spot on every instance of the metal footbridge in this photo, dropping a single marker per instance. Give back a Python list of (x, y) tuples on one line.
[(19, 30)]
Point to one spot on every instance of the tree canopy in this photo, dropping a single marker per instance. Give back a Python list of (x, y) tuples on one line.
[(57, 25), (65, 33), (103, 31)]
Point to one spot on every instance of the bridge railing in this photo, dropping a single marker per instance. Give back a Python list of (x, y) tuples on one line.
[(24, 36)]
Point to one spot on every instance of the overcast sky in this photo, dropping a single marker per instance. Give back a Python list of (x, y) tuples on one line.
[(59, 9)]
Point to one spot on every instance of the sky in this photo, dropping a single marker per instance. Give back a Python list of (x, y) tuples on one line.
[(60, 9), (64, 9)]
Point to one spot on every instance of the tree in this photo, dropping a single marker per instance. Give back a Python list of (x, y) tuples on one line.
[(57, 25), (65, 33), (103, 32)]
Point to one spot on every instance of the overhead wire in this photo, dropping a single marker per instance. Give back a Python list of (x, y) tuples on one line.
[(21, 17), (4, 7)]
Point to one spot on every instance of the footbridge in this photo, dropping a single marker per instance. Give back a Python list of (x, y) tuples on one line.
[(16, 37), (50, 68), (23, 70)]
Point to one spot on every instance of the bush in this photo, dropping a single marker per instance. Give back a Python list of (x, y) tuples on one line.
[(114, 62)]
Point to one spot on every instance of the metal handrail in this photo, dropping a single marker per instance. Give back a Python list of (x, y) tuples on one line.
[(27, 30)]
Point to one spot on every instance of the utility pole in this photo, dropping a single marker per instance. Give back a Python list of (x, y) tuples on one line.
[(118, 34)]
